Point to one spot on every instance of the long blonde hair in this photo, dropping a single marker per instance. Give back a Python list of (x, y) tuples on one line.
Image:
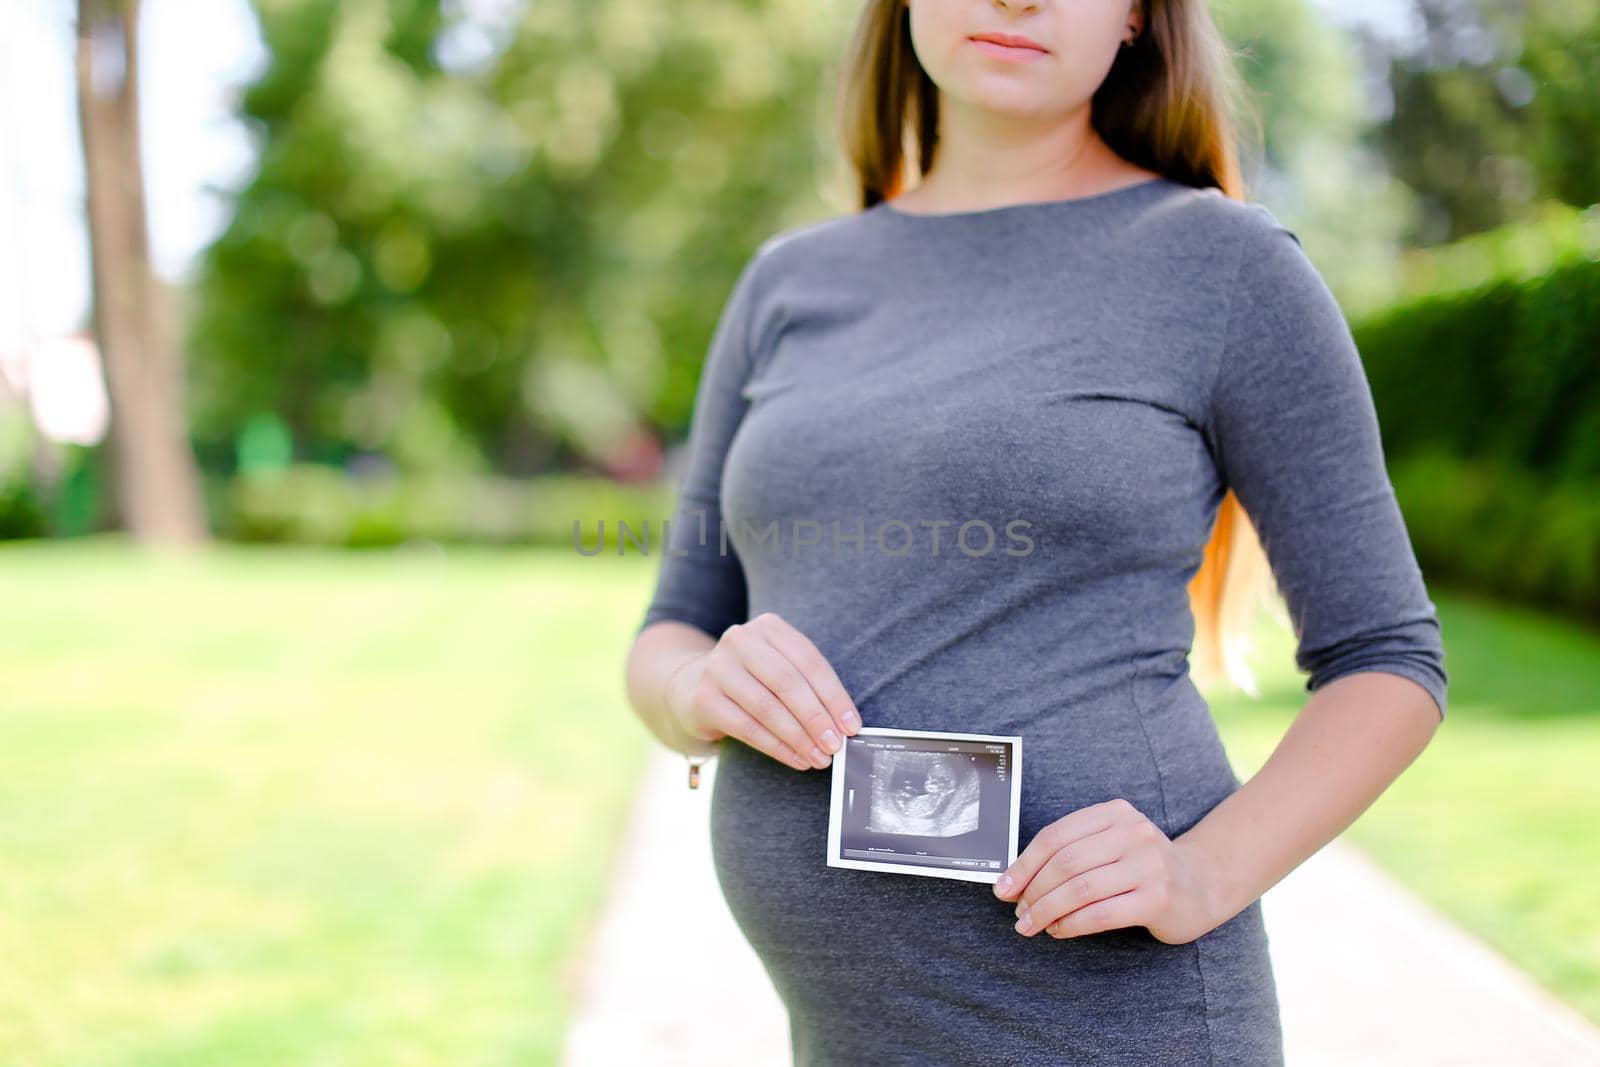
[(1169, 104)]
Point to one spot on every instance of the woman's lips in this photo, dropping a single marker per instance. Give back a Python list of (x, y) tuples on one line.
[(1012, 52)]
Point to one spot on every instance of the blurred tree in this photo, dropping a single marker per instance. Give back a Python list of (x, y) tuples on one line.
[(497, 233), (156, 481), (1494, 105)]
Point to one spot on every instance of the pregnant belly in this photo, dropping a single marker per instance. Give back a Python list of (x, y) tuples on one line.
[(834, 940), (769, 832), (1150, 742)]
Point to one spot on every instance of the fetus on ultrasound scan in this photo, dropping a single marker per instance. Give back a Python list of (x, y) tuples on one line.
[(930, 794)]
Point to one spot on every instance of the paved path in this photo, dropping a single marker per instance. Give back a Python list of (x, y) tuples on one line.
[(1366, 973)]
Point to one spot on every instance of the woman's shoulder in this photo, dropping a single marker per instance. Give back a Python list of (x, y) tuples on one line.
[(1210, 213), (790, 256), (1246, 242), (808, 242)]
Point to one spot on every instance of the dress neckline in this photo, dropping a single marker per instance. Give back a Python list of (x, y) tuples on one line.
[(1029, 208), (1111, 197)]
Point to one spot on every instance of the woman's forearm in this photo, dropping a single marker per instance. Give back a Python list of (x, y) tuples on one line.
[(658, 653), (1353, 738)]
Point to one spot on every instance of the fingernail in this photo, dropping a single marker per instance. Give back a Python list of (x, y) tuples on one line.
[(818, 758), (830, 739), (1023, 923), (852, 720), (1003, 886)]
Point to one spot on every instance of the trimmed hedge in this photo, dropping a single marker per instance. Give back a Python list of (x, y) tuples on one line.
[(22, 512), (1508, 372), (323, 505), (1489, 398), (1486, 525)]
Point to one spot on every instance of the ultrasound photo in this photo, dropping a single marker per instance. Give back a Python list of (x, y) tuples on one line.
[(932, 803), (932, 794)]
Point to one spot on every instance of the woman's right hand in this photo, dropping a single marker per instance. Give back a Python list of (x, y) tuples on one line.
[(767, 685)]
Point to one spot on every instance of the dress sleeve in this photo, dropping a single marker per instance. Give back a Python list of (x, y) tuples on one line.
[(701, 581), (1295, 434)]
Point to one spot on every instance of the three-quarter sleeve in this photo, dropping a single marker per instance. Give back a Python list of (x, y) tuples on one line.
[(701, 581), (1294, 433)]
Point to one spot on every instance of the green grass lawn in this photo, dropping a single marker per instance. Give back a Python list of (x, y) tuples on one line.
[(275, 806), (281, 806), (1497, 823)]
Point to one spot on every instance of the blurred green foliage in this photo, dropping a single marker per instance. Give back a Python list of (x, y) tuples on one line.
[(1508, 369), (1488, 391), (70, 506), (1556, 233), (313, 504), (498, 259), (1490, 525), (21, 511), (1495, 108)]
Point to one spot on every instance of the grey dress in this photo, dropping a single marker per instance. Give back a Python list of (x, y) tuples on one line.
[(975, 457)]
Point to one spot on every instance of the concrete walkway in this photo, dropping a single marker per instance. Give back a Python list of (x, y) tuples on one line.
[(1366, 973)]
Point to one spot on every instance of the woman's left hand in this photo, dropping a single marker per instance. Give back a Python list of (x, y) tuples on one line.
[(1107, 866)]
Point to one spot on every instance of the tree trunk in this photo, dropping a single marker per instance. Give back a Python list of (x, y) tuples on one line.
[(157, 480)]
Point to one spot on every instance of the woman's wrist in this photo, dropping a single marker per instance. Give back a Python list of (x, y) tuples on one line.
[(674, 701), (1217, 899)]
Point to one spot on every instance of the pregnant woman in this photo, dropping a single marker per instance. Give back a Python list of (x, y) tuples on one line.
[(995, 454)]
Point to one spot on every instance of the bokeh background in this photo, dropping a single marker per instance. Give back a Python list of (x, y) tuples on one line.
[(323, 323)]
